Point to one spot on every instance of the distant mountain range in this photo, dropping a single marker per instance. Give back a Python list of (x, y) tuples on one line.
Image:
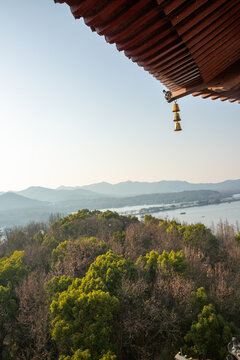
[(37, 203), (132, 188)]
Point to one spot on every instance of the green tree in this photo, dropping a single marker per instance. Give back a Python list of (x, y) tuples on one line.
[(106, 273), (78, 355), (173, 261), (59, 253), (165, 261), (82, 322), (12, 269), (73, 226), (108, 356), (199, 237), (119, 237), (149, 262), (170, 225), (91, 246), (150, 220), (209, 335), (83, 309), (57, 285), (237, 238), (85, 355), (199, 299), (49, 243), (8, 308)]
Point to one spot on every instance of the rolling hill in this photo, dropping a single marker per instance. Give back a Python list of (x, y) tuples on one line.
[(10, 201), (55, 195)]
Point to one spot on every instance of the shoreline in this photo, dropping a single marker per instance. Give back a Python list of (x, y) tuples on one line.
[(155, 209)]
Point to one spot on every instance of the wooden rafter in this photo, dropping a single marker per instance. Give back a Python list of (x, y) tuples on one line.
[(190, 46)]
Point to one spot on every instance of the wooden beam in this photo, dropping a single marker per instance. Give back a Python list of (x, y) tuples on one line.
[(195, 19), (210, 31), (211, 35), (187, 91), (208, 20), (142, 36)]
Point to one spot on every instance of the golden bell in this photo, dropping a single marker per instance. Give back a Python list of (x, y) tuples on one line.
[(175, 107), (177, 127), (177, 117)]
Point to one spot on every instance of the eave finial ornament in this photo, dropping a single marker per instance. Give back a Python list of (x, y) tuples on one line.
[(168, 95), (177, 119)]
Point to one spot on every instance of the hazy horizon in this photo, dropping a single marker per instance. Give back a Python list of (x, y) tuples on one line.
[(111, 183)]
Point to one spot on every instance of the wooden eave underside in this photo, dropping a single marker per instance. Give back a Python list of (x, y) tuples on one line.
[(192, 47)]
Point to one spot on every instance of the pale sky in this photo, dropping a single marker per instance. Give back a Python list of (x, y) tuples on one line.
[(75, 111)]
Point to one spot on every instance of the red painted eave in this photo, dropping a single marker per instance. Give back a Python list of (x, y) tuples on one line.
[(191, 47)]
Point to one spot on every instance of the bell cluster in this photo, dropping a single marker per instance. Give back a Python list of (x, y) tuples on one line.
[(177, 118)]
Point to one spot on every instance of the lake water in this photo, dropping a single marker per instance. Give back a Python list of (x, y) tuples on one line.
[(207, 215)]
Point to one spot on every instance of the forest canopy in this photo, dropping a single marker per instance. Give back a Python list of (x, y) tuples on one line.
[(102, 286)]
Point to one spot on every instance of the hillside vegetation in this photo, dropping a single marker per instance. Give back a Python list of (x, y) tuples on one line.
[(101, 286)]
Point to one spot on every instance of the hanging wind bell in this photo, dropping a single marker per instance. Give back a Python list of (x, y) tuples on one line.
[(176, 117), (177, 127), (175, 107)]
